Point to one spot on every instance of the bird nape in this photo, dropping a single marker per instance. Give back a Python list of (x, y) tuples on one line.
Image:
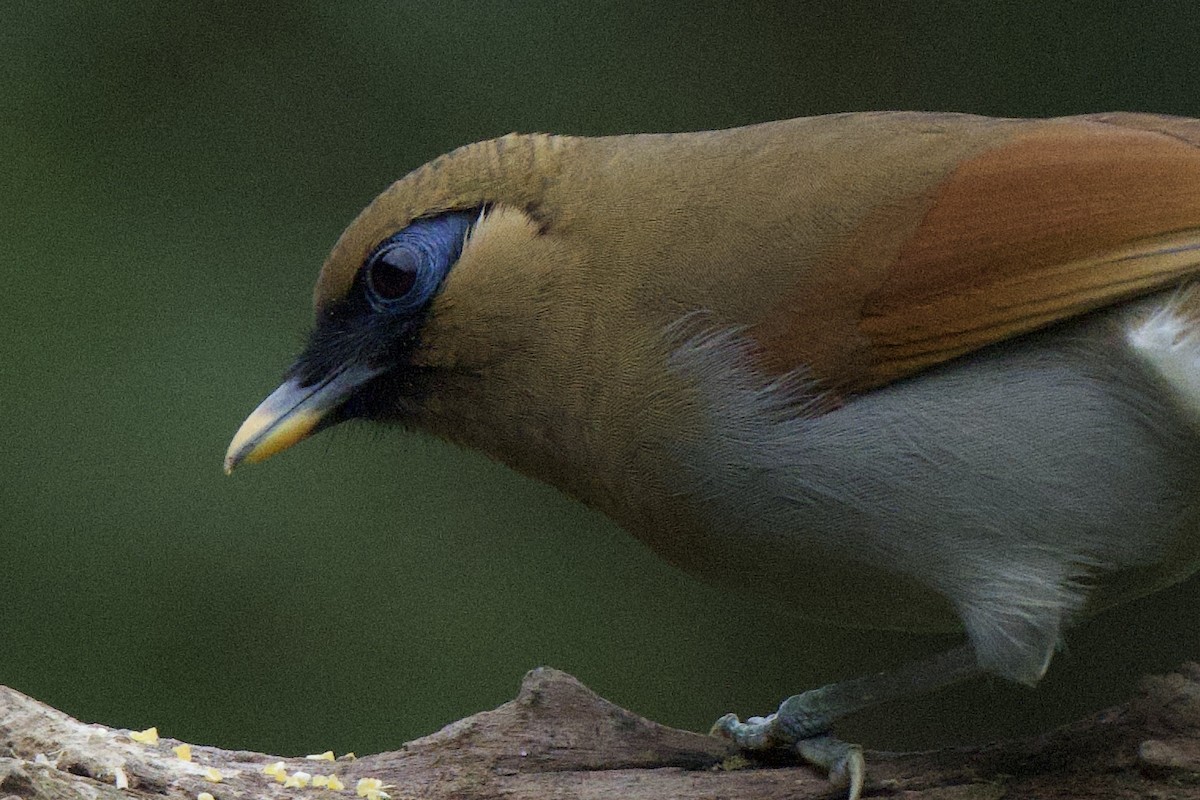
[(902, 370)]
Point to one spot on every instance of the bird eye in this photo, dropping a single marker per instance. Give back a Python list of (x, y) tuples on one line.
[(406, 270), (392, 273)]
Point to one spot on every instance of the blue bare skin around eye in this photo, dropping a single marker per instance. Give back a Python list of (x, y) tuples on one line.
[(436, 242), (361, 330)]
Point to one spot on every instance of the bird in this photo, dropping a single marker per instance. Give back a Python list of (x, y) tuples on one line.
[(896, 370)]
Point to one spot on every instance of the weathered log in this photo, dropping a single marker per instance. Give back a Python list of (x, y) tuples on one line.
[(558, 739)]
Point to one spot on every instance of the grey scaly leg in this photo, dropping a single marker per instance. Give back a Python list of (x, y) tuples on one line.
[(803, 720)]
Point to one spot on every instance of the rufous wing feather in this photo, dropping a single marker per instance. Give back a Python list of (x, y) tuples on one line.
[(1064, 217)]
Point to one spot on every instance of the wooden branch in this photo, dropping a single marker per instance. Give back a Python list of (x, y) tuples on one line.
[(558, 739)]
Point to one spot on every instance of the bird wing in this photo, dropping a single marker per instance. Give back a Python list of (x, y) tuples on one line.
[(1064, 217)]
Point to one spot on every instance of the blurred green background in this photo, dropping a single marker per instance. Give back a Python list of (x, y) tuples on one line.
[(173, 174)]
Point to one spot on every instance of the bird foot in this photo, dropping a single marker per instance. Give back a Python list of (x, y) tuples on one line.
[(842, 761)]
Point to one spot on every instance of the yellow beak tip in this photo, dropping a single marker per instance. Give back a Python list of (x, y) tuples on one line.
[(290, 413), (266, 432)]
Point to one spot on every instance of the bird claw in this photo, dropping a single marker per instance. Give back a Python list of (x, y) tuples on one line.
[(756, 733), (844, 762)]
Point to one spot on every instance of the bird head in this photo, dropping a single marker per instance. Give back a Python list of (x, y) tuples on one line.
[(435, 285)]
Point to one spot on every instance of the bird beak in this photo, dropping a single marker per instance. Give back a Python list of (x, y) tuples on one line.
[(291, 413)]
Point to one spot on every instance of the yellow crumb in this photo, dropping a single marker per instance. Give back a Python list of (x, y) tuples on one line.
[(371, 788), (276, 771), (183, 751), (366, 785), (297, 780), (213, 775), (326, 756), (349, 756), (335, 783), (148, 736), (205, 796)]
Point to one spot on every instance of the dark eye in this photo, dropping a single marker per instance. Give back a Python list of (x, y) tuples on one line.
[(405, 271), (392, 273)]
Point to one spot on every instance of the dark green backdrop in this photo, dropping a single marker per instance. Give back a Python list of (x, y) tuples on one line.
[(172, 175)]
